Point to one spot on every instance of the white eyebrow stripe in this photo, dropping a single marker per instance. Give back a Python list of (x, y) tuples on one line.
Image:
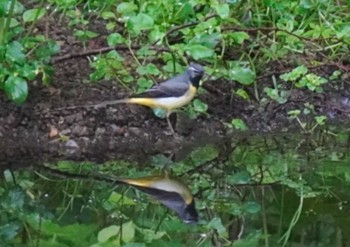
[(194, 69)]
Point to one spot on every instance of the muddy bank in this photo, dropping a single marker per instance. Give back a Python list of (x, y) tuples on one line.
[(47, 129)]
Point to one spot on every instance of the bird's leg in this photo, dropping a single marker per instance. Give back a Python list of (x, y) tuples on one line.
[(168, 113)]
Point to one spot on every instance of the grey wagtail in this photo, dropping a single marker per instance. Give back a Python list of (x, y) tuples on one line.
[(169, 95), (170, 192)]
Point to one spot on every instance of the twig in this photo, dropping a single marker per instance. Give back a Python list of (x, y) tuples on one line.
[(274, 29), (103, 50), (68, 175), (124, 47), (177, 28)]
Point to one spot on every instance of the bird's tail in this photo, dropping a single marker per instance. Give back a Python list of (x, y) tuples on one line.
[(140, 101), (112, 102)]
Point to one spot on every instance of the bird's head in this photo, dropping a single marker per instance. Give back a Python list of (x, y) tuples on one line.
[(189, 214), (195, 73)]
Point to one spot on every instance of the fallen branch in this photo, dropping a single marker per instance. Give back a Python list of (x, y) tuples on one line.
[(274, 29), (104, 50), (190, 24), (134, 47)]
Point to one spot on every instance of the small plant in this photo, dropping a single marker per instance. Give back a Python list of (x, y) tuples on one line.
[(320, 120), (22, 57), (239, 124), (302, 79), (196, 108)]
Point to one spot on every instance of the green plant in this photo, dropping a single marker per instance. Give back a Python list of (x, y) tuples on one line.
[(23, 56), (239, 124), (320, 120), (174, 31), (302, 79), (277, 93)]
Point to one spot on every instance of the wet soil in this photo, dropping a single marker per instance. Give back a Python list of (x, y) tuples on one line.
[(47, 129)]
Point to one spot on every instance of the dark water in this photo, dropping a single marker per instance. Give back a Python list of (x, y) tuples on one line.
[(281, 190)]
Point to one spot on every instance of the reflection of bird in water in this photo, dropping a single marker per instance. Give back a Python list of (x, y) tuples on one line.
[(170, 192), (169, 95)]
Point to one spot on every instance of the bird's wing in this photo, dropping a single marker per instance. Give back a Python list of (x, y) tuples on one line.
[(175, 87), (171, 200)]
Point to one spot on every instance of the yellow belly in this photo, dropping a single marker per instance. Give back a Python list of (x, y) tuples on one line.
[(168, 103)]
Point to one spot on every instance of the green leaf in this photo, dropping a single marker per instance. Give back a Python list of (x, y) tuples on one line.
[(204, 154), (126, 8), (3, 8), (185, 12), (85, 34), (33, 14), (150, 235), (242, 177), (19, 8), (294, 113), (294, 74), (47, 50), (143, 84), (156, 35), (115, 198), (307, 4), (344, 32), (14, 52), (14, 23), (242, 93), (77, 234), (134, 245), (207, 40), (239, 37), (145, 52), (128, 231), (149, 69), (114, 39), (199, 106), (223, 10), (239, 124), (198, 51), (110, 26), (216, 224), (140, 22), (16, 88), (15, 199), (243, 75), (234, 209), (172, 67), (27, 71), (108, 232), (320, 119), (9, 231), (115, 57), (108, 15), (335, 75), (251, 207)]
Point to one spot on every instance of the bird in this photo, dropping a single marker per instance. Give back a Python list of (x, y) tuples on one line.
[(168, 95), (171, 192)]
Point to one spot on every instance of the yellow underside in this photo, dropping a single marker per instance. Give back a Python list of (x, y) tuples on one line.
[(143, 101), (158, 103), (161, 183)]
